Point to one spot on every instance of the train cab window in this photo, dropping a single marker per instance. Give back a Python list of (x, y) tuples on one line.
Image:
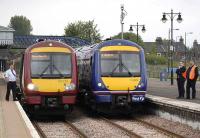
[(120, 64), (51, 65)]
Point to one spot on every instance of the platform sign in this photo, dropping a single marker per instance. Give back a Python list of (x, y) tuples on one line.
[(171, 48)]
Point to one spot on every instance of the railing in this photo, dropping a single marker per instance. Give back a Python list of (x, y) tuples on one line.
[(6, 42)]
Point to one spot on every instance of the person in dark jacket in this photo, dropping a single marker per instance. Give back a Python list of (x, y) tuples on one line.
[(181, 80), (192, 75)]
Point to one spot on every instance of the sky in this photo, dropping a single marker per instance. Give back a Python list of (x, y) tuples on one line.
[(49, 17)]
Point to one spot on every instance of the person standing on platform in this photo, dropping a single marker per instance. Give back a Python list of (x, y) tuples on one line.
[(181, 76), (191, 75), (10, 76)]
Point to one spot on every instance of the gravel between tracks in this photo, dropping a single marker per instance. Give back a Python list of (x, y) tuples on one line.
[(140, 129), (175, 127), (96, 128), (57, 130)]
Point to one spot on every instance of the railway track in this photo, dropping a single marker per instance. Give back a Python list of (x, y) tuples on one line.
[(128, 132), (66, 123), (162, 130), (133, 134), (149, 125), (39, 130), (75, 129)]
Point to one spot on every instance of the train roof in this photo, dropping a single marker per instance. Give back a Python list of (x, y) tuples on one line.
[(52, 43), (118, 42), (108, 43), (88, 50)]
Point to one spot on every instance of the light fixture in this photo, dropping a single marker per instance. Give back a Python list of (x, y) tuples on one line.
[(131, 28), (31, 86), (71, 86), (143, 29), (164, 19), (179, 19)]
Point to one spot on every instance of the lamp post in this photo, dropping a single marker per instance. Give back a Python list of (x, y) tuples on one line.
[(168, 48), (186, 33), (123, 14), (179, 20), (137, 28)]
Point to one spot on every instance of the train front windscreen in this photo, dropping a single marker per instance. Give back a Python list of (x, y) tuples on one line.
[(120, 64), (51, 65)]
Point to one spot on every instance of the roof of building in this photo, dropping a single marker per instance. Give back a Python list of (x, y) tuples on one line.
[(148, 46), (6, 29), (24, 41), (163, 47)]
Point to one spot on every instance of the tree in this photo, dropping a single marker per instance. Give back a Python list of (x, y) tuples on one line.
[(21, 25), (130, 36), (83, 29)]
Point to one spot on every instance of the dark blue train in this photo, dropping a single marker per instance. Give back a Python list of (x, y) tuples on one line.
[(112, 73)]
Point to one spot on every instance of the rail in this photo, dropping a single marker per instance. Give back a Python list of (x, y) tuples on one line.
[(162, 130), (128, 132), (39, 130), (75, 129)]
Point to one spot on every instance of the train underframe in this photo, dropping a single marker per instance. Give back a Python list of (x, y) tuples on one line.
[(113, 102), (48, 104)]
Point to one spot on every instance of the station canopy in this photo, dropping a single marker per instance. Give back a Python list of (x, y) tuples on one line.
[(24, 41)]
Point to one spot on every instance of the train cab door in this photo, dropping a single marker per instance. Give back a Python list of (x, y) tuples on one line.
[(21, 71)]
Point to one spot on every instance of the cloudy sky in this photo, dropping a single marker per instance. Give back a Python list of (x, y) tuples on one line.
[(49, 17)]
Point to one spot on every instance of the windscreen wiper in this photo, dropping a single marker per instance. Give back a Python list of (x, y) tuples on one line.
[(114, 70), (54, 68), (127, 70), (44, 71), (58, 70)]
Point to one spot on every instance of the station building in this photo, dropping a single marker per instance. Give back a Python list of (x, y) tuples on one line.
[(161, 48), (6, 41)]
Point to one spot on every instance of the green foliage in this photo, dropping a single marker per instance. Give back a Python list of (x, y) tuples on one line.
[(154, 50), (156, 60), (130, 36), (83, 29), (21, 25)]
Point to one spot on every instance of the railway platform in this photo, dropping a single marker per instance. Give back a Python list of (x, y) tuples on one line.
[(13, 121), (165, 89), (162, 92)]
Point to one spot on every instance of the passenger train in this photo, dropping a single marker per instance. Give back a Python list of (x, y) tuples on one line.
[(48, 77), (112, 74)]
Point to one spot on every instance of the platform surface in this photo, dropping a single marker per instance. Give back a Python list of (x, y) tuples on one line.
[(12, 125), (165, 89)]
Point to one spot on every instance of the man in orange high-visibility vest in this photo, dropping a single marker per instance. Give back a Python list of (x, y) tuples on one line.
[(181, 76), (191, 75)]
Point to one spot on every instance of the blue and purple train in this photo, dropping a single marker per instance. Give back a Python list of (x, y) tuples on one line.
[(112, 74)]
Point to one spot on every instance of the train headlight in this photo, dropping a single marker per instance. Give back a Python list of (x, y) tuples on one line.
[(141, 85), (31, 86), (99, 84), (71, 86)]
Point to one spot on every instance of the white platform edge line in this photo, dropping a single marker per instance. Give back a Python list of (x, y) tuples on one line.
[(172, 102), (28, 123)]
